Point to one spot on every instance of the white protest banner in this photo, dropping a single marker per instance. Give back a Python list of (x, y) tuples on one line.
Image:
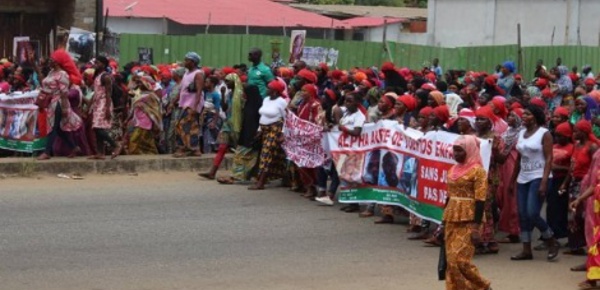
[(18, 122), (303, 142), (390, 164)]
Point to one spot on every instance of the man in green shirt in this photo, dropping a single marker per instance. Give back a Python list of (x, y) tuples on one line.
[(258, 73)]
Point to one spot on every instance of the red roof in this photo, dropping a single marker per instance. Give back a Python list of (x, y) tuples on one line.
[(370, 21), (263, 13)]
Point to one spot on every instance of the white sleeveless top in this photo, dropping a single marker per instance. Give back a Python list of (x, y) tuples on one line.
[(532, 156)]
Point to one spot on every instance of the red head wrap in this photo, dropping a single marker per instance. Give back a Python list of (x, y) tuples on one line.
[(387, 66), (547, 93), (518, 112), (390, 99), (516, 105), (311, 90), (426, 111), (564, 129), (366, 83), (228, 70), (429, 87), (486, 112), (324, 67), (277, 86), (541, 83), (63, 59), (431, 77), (590, 82), (491, 80), (409, 102), (501, 107), (562, 111), (337, 74), (442, 113), (538, 102), (518, 77), (585, 127), (308, 75), (331, 94)]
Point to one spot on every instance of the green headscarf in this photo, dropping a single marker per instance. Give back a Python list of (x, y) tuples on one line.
[(237, 102)]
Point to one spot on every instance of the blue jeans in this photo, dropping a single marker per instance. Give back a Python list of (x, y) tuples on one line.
[(323, 174), (530, 205)]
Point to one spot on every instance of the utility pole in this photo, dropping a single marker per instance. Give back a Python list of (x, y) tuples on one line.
[(99, 18)]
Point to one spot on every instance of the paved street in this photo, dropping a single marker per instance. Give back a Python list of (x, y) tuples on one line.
[(175, 231)]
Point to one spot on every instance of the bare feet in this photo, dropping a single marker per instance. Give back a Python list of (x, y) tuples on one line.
[(44, 156)]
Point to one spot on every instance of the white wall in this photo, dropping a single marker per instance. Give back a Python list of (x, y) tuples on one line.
[(454, 23), (136, 25)]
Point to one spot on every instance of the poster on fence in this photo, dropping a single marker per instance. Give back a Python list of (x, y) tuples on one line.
[(388, 164), (81, 44), (145, 55), (303, 142), (298, 38), (18, 122), (313, 56)]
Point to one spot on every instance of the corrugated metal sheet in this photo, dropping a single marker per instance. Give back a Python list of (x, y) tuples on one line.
[(225, 50)]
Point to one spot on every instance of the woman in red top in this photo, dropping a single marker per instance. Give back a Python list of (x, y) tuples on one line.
[(585, 146), (558, 201), (310, 110)]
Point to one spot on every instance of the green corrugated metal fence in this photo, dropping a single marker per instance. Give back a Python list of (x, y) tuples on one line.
[(227, 49)]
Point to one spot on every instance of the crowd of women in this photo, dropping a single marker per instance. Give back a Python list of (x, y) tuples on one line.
[(546, 129)]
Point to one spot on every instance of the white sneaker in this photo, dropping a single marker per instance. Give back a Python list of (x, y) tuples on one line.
[(325, 200)]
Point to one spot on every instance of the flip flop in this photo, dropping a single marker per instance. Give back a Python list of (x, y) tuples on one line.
[(224, 180), (587, 285)]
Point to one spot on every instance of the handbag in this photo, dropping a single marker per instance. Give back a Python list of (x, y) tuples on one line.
[(442, 263)]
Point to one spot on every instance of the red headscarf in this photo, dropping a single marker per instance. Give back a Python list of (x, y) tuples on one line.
[(500, 106), (311, 90), (590, 82), (562, 111), (324, 67), (538, 102), (585, 126), (428, 86), (331, 95), (564, 129), (63, 59), (277, 86), (409, 102), (442, 112), (308, 75), (516, 105), (366, 83), (541, 83), (486, 112), (337, 74), (426, 111), (228, 70), (518, 112), (387, 66)]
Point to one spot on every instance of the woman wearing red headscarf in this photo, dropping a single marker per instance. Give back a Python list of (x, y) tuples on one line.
[(484, 124), (53, 99), (272, 115), (310, 110), (405, 106), (506, 198), (586, 145)]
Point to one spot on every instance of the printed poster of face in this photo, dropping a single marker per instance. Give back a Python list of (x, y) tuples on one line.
[(298, 38), (28, 51), (81, 44), (145, 55)]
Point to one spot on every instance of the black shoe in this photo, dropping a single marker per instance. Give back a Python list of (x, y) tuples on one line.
[(553, 248), (522, 257)]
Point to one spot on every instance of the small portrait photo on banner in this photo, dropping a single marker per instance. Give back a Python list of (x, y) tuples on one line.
[(373, 164), (391, 165), (349, 166), (408, 176)]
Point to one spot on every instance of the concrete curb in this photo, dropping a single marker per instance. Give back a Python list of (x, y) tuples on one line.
[(124, 164)]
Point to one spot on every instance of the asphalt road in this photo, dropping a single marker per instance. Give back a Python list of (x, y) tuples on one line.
[(175, 231)]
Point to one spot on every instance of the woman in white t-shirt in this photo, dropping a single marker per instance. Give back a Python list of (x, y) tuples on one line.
[(532, 176), (272, 116), (351, 123)]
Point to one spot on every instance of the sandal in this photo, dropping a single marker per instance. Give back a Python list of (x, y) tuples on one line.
[(368, 213), (44, 156), (117, 152), (207, 175), (180, 154), (579, 268), (522, 257), (255, 187), (588, 285), (225, 180)]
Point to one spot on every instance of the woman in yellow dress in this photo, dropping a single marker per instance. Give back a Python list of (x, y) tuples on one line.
[(467, 190)]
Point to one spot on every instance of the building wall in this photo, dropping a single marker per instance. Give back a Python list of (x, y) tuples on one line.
[(136, 25), (454, 23)]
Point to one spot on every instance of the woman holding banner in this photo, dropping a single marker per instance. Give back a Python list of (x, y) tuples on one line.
[(467, 190), (309, 110)]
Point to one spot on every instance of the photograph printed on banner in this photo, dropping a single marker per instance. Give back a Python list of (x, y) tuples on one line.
[(349, 167), (389, 172), (371, 170), (408, 176)]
